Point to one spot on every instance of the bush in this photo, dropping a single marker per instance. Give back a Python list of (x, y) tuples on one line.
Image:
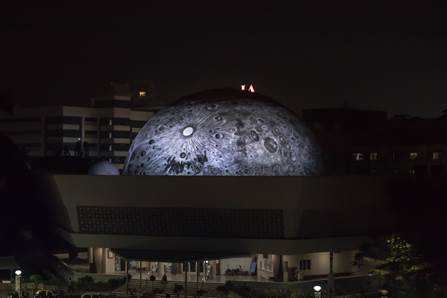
[(87, 283), (178, 288), (222, 289), (201, 292), (114, 283), (147, 295), (36, 278), (86, 280)]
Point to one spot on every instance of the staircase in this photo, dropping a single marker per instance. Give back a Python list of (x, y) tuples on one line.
[(46, 265)]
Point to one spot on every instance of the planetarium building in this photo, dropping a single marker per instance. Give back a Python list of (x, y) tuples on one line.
[(223, 176)]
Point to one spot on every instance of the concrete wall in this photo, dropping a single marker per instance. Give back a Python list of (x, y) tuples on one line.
[(314, 209), (109, 261), (105, 262), (234, 263), (343, 262)]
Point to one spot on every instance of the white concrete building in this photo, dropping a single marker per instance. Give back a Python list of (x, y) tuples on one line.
[(162, 229), (104, 130)]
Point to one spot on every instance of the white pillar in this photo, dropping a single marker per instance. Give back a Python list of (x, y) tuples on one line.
[(91, 259), (330, 281)]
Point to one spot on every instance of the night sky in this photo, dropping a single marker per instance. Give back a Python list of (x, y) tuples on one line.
[(306, 57)]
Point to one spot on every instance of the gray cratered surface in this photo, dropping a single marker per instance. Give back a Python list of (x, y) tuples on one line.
[(224, 133), (103, 168)]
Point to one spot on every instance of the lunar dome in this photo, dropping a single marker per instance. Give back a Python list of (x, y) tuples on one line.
[(103, 168), (224, 132)]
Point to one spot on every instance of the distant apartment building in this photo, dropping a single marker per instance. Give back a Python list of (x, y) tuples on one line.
[(105, 129), (370, 142)]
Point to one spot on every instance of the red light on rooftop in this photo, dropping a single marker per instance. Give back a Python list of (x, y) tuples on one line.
[(249, 88)]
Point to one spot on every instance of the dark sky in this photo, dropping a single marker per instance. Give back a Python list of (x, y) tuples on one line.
[(316, 55)]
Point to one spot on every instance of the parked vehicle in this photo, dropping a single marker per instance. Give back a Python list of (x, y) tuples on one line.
[(43, 294)]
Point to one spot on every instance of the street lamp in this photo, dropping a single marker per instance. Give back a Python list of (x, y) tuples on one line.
[(317, 291), (18, 283)]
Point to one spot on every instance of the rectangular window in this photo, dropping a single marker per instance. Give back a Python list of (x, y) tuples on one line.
[(305, 265), (436, 155), (413, 155), (373, 156), (358, 156)]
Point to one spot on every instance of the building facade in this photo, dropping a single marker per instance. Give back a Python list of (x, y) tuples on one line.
[(256, 267), (165, 230), (370, 142), (103, 130)]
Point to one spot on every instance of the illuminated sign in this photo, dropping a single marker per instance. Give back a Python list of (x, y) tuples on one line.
[(249, 88)]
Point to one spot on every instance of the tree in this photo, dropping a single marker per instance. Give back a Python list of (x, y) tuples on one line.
[(402, 270), (36, 279)]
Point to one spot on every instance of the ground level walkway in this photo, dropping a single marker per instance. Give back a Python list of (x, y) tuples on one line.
[(347, 285), (192, 276)]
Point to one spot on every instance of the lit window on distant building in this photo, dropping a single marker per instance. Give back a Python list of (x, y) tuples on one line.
[(359, 156), (413, 155), (436, 155), (373, 156), (141, 93)]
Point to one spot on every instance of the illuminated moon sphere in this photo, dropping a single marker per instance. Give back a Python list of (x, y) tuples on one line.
[(224, 133)]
